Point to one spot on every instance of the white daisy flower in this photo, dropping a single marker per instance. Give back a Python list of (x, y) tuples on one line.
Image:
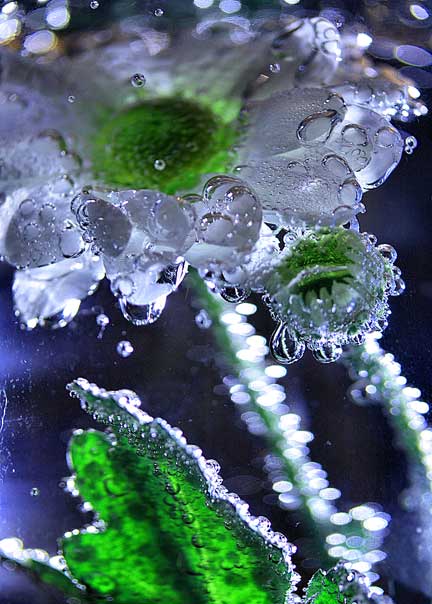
[(137, 151)]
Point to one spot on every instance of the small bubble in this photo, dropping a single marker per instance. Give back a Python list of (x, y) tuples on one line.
[(27, 207), (158, 12), (124, 348), (71, 98), (138, 80), (410, 144), (159, 165), (94, 4), (202, 319), (197, 541), (275, 67), (102, 320), (34, 492)]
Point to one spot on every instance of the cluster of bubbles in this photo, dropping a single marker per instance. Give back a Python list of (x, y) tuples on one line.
[(145, 238), (329, 288)]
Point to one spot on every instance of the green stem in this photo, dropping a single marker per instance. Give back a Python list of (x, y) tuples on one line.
[(330, 528)]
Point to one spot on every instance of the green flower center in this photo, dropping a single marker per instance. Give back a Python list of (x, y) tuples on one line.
[(324, 260), (166, 144)]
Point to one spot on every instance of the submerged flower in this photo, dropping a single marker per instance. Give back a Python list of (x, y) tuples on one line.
[(330, 288), (139, 151)]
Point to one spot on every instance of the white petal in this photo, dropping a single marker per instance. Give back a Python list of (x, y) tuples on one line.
[(289, 119), (369, 144), (51, 295), (229, 219), (314, 187), (37, 226), (307, 52)]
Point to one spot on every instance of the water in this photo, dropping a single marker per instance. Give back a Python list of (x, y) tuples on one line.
[(333, 448)]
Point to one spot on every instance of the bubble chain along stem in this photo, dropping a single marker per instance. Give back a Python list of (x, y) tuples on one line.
[(354, 536), (379, 380)]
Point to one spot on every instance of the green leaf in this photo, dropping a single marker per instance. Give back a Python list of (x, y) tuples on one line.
[(165, 528), (322, 590), (338, 586), (171, 532), (51, 572)]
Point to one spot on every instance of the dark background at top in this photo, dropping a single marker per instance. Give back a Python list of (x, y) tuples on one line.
[(354, 444)]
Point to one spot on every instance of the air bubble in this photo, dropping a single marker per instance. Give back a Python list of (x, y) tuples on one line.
[(71, 242), (316, 128), (410, 144), (203, 320), (138, 80), (385, 137), (94, 4), (124, 348), (34, 492), (159, 165), (158, 12), (102, 320), (27, 207), (388, 252), (354, 135)]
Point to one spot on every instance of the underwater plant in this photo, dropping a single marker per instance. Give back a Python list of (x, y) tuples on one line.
[(231, 155)]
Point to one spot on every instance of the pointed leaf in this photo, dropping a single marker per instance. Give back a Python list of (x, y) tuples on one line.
[(340, 586), (171, 532)]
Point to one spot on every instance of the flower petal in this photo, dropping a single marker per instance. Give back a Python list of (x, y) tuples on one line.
[(51, 295), (288, 119), (314, 187)]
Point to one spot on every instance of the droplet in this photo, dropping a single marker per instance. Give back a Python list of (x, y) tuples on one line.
[(385, 137), (27, 207), (138, 80), (122, 286), (102, 320), (399, 287), (71, 242), (47, 213), (144, 314), (283, 348), (94, 4), (203, 320), (234, 294), (34, 492), (125, 348), (316, 128), (410, 144), (197, 541), (327, 353), (158, 12), (275, 67), (388, 252), (159, 165), (71, 98), (354, 135)]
